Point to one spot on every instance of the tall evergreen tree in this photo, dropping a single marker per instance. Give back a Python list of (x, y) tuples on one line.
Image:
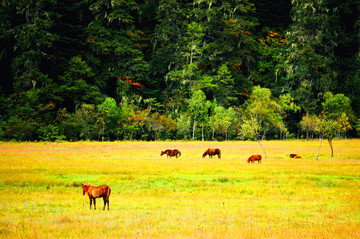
[(33, 42), (114, 46), (170, 47), (229, 28), (28, 31), (345, 34), (309, 53)]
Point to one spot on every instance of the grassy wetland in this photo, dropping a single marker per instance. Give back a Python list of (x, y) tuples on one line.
[(187, 197)]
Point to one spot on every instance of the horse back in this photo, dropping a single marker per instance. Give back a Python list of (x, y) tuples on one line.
[(254, 158), (251, 158), (173, 152), (100, 191), (169, 152)]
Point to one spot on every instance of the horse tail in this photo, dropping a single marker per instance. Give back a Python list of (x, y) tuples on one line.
[(179, 153), (108, 191)]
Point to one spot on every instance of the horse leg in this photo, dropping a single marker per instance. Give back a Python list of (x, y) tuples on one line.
[(90, 201), (94, 204), (104, 203), (107, 200)]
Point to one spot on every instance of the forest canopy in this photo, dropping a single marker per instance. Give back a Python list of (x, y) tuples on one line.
[(179, 69)]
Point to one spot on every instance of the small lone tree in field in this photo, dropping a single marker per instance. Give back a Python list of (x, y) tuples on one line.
[(328, 130), (250, 129), (334, 117), (261, 114)]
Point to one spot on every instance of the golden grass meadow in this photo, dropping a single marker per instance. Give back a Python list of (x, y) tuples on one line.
[(187, 197)]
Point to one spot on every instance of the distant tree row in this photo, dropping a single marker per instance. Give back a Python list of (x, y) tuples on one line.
[(179, 69)]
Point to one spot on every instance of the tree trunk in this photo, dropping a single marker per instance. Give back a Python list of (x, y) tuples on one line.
[(262, 147), (191, 51), (202, 133), (27, 16), (263, 137), (194, 127), (294, 65), (317, 156), (331, 146)]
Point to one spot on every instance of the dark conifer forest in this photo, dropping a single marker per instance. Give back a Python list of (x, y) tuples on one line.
[(179, 69)]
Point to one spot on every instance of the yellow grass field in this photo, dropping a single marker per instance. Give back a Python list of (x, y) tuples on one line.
[(188, 197)]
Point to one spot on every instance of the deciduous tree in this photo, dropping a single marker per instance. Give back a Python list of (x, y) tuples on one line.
[(198, 109)]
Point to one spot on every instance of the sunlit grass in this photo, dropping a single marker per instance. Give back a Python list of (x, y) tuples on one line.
[(188, 197)]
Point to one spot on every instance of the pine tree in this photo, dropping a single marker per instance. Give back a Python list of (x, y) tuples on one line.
[(309, 54)]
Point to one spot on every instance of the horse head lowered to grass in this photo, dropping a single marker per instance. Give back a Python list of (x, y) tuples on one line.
[(93, 192), (171, 152), (212, 152), (254, 158)]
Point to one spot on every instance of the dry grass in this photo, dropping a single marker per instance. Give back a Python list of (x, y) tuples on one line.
[(188, 197)]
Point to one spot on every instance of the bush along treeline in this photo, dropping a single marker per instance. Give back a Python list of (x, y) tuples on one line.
[(179, 69)]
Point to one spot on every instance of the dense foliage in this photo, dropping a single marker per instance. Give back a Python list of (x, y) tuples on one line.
[(179, 69)]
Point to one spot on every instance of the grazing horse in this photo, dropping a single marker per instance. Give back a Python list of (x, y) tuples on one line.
[(298, 157), (212, 152), (254, 158), (171, 152), (93, 192)]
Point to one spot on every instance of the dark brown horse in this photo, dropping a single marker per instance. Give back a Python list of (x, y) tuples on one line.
[(254, 158), (93, 192), (212, 152), (171, 152)]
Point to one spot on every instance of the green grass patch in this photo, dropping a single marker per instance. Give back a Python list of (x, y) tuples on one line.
[(188, 197)]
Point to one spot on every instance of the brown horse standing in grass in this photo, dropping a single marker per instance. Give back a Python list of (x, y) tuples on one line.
[(254, 158), (93, 192), (212, 152), (171, 152)]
